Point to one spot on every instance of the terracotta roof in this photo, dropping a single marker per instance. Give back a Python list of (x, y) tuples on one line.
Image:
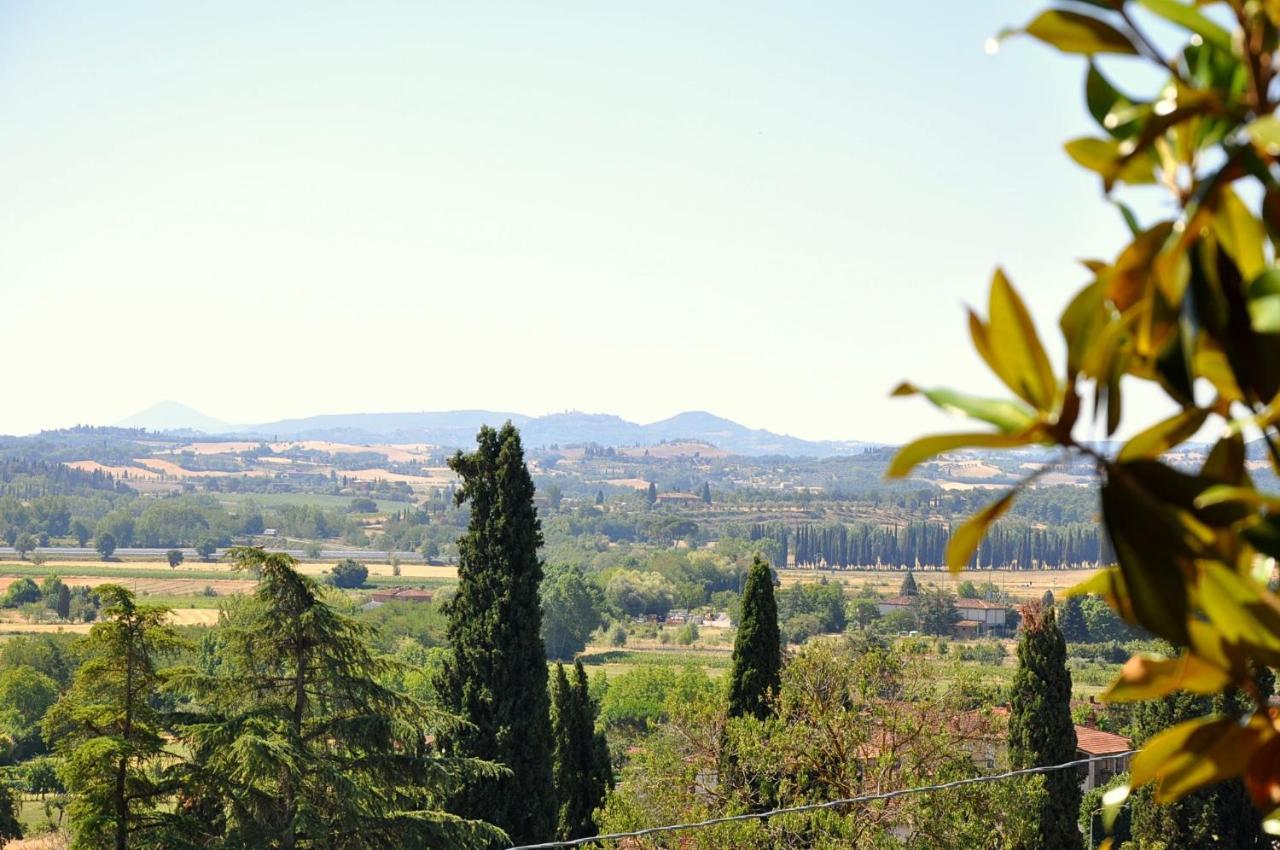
[(980, 604), (898, 600), (969, 623), (1095, 742)]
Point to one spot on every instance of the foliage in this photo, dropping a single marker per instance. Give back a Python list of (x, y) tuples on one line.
[(581, 766), (909, 586), (571, 608), (757, 650), (935, 611), (298, 743), (175, 558), (348, 573), (1041, 731), (109, 732), (105, 544), (495, 674), (25, 695), (1073, 625), (1192, 306), (23, 591), (10, 826)]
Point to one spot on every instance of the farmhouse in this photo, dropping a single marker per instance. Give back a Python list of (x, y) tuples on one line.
[(1091, 743), (401, 594), (977, 616)]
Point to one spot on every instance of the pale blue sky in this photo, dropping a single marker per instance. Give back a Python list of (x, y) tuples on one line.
[(771, 211)]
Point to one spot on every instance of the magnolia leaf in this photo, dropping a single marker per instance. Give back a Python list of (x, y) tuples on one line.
[(1262, 779), (1239, 233), (1264, 302), (1023, 364), (1162, 436), (1188, 17), (1242, 610), (1151, 676), (965, 539), (1106, 158), (918, 451), (1072, 32), (1008, 416), (1265, 133), (1197, 753)]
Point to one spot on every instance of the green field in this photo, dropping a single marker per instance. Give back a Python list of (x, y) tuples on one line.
[(323, 500)]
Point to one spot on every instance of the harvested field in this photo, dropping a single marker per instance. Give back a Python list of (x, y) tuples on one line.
[(1023, 584), (159, 586), (117, 471)]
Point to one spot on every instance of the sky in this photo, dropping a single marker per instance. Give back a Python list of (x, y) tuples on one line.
[(771, 211)]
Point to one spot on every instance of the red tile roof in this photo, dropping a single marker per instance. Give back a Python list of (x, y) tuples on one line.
[(1095, 742)]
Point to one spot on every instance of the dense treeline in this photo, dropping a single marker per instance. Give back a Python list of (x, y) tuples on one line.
[(1011, 544)]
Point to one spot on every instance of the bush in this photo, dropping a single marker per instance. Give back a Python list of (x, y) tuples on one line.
[(618, 635), (687, 634), (348, 573), (175, 557)]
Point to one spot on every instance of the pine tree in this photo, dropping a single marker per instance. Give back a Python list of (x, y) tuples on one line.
[(1040, 728), (495, 673), (757, 649), (109, 731), (299, 743), (909, 587), (582, 768), (1074, 627)]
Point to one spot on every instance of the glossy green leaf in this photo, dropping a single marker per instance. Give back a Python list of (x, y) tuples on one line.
[(1162, 436), (1197, 753), (1188, 17), (1264, 302), (1240, 233), (1072, 32), (917, 452), (1103, 99), (1105, 157), (1265, 133)]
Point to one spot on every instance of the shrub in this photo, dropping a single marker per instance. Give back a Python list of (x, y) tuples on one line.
[(348, 573)]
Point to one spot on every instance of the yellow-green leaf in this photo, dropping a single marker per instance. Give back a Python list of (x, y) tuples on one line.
[(1104, 157), (918, 451), (1008, 416), (1162, 436), (1016, 347), (1197, 753), (1190, 18), (1265, 133), (1240, 233), (965, 539), (1151, 676), (1072, 32)]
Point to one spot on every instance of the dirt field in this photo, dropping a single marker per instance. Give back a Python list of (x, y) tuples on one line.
[(1025, 584), (161, 585)]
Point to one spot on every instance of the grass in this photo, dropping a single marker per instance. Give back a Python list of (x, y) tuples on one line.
[(324, 500)]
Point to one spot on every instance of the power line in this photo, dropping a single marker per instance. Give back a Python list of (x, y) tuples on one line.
[(814, 807)]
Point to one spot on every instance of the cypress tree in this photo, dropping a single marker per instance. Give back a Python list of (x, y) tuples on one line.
[(652, 496), (582, 768), (909, 587), (706, 493), (757, 649), (495, 673), (1040, 728)]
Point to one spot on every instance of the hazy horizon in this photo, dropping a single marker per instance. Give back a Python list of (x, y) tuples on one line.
[(774, 215)]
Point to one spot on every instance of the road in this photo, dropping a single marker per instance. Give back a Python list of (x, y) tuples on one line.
[(82, 553)]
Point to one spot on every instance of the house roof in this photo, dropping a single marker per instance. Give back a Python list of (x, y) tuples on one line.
[(978, 604), (969, 623), (1095, 742), (898, 600)]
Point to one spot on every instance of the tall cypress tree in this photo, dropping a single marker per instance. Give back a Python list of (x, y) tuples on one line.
[(495, 673), (757, 649), (1040, 728), (581, 766)]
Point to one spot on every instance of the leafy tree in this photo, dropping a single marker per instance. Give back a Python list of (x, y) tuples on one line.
[(23, 591), (24, 543), (108, 730), (1074, 628), (81, 531), (935, 611), (298, 742), (106, 544), (175, 557), (570, 611), (1189, 306), (348, 573), (25, 695), (495, 674), (45, 653), (581, 766), (909, 587), (554, 496), (206, 547), (1041, 731), (757, 650)]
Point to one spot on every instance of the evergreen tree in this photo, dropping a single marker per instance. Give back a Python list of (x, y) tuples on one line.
[(1047, 600), (582, 769), (10, 826), (1041, 731), (599, 497), (109, 731), (757, 650), (706, 492), (495, 672), (909, 587), (62, 605), (1074, 627), (652, 497), (299, 744)]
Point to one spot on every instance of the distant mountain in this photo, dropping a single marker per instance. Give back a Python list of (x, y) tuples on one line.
[(174, 416), (458, 428)]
